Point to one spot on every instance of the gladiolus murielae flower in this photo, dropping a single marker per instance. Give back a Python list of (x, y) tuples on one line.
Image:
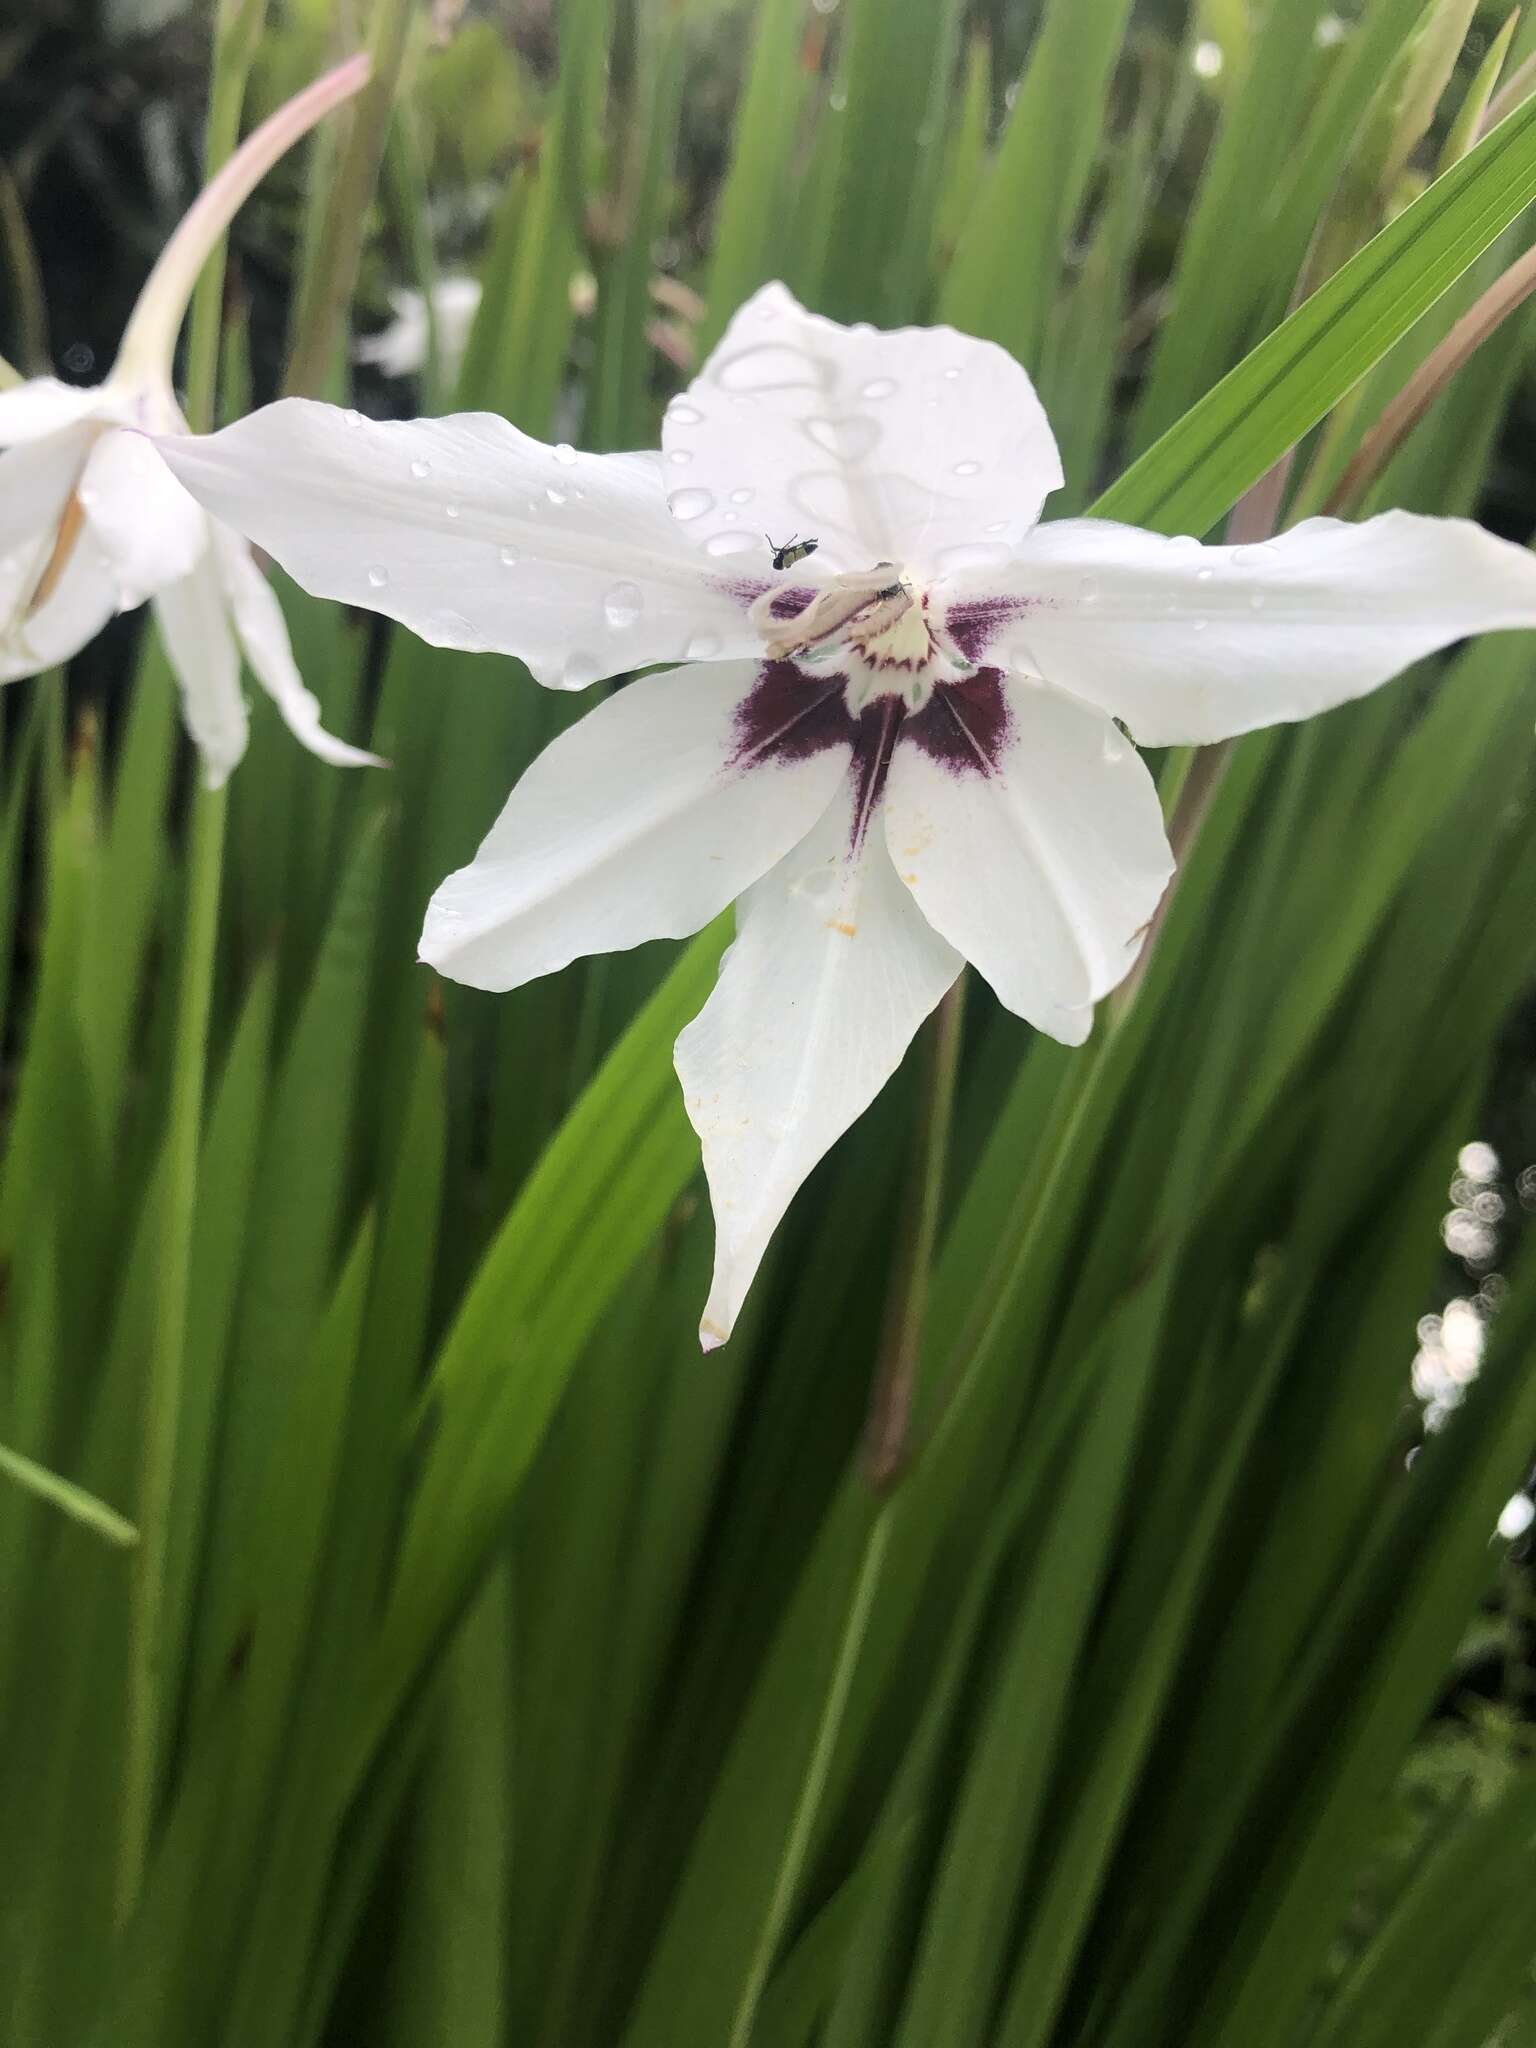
[(899, 753), (92, 522)]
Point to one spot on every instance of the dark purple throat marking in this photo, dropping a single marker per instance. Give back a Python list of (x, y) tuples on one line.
[(791, 716)]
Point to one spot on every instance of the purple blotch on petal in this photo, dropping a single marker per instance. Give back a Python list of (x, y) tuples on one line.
[(964, 726), (790, 716), (975, 622)]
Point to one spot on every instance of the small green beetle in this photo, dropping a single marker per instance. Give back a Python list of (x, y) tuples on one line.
[(791, 551)]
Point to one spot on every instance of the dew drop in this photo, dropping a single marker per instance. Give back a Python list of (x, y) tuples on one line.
[(508, 557), (690, 504), (378, 575), (702, 647), (967, 469), (1198, 625), (878, 387), (838, 102), (1088, 589), (1114, 746), (818, 882), (742, 497), (554, 496), (1204, 575), (450, 511), (680, 456), (1253, 557), (1255, 600), (952, 372), (730, 543), (1183, 543), (684, 415), (419, 469), (623, 605), (353, 419), (565, 453)]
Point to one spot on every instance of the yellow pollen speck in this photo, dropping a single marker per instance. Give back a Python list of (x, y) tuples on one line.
[(835, 924), (712, 1329)]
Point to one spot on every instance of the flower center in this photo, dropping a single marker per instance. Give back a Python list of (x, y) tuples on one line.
[(877, 625)]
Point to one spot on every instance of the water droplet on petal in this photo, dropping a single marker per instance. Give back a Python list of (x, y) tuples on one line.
[(555, 497), (378, 575), (450, 511), (1255, 600), (353, 419), (878, 387), (1088, 589), (508, 558), (742, 497), (565, 453), (690, 504), (1198, 625), (967, 469), (419, 469), (952, 371), (1114, 746), (680, 456), (702, 647), (1253, 557), (682, 414), (730, 543), (1183, 543), (623, 605), (1204, 575)]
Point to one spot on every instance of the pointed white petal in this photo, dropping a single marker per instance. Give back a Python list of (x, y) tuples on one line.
[(200, 647), (263, 634), (472, 535), (633, 825), (42, 406), (151, 531), (915, 446), (1189, 644), (1043, 864), (832, 971)]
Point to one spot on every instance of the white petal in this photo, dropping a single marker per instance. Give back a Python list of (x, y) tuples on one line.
[(472, 535), (632, 825), (917, 446), (1190, 644), (1043, 869), (832, 971), (200, 646), (151, 531), (37, 481), (263, 634), (42, 406)]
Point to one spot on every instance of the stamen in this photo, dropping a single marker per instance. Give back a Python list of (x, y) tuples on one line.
[(861, 605)]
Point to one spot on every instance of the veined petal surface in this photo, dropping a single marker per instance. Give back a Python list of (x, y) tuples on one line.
[(1044, 862), (1190, 644), (641, 822), (833, 969), (917, 446), (472, 535)]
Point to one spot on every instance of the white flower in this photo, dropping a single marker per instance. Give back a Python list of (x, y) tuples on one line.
[(898, 753), (92, 522), (401, 348)]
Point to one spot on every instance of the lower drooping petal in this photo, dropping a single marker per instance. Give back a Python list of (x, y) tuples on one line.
[(205, 661), (263, 635), (37, 484), (832, 971), (1190, 644), (1038, 852), (472, 535), (641, 822)]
